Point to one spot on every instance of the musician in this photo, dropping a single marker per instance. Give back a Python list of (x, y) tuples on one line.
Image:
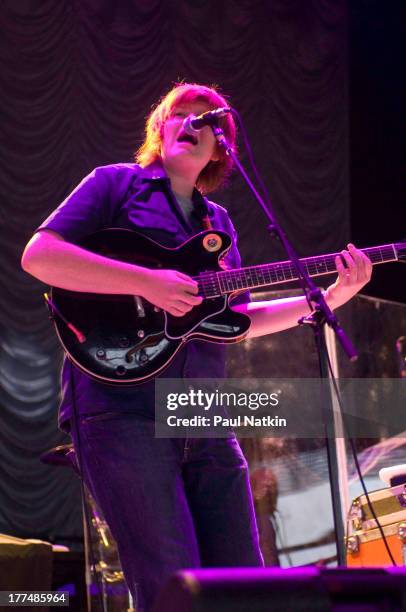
[(170, 503)]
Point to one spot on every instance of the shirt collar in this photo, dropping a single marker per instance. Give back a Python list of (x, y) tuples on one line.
[(153, 172), (156, 172)]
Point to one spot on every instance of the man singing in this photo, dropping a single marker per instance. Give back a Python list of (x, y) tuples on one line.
[(170, 503)]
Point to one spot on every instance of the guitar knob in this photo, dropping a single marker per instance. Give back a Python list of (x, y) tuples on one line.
[(143, 357), (120, 370), (101, 354), (123, 342)]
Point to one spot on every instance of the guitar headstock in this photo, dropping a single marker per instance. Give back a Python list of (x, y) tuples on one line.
[(401, 250)]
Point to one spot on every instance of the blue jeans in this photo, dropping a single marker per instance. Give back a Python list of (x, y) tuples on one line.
[(170, 503)]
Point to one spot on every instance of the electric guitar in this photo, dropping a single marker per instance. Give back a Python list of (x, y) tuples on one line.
[(124, 339)]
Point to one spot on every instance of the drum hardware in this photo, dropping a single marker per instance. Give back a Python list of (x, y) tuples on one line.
[(355, 514), (115, 596), (353, 544), (402, 531), (402, 497)]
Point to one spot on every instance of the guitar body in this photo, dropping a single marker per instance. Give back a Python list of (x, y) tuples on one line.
[(126, 340)]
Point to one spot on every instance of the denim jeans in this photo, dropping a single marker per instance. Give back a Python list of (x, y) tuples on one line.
[(170, 503)]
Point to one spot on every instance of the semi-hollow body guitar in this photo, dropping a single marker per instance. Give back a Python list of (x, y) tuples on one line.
[(123, 339)]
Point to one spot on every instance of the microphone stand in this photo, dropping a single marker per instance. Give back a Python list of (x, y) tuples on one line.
[(319, 316)]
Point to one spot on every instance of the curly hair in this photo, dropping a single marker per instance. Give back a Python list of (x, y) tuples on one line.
[(215, 173)]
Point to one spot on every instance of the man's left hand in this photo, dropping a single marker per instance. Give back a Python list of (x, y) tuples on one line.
[(352, 276)]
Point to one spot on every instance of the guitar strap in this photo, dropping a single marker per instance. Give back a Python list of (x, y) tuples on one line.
[(203, 212), (207, 225), (206, 222)]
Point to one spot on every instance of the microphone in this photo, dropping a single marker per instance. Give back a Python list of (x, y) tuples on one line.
[(193, 124)]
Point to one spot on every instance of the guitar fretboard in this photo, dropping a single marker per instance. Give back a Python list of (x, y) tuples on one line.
[(215, 284)]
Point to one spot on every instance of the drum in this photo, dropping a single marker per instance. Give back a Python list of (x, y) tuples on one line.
[(365, 546)]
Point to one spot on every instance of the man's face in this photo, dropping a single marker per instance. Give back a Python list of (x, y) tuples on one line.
[(182, 152)]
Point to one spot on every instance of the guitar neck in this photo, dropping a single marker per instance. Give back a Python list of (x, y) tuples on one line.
[(264, 275)]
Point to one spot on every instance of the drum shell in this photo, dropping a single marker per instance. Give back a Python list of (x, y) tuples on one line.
[(365, 546), (372, 551)]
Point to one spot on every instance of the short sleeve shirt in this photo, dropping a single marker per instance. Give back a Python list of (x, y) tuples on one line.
[(130, 197)]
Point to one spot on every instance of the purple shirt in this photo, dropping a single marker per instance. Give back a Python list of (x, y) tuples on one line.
[(130, 197)]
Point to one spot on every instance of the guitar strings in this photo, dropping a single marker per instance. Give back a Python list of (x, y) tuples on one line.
[(217, 283)]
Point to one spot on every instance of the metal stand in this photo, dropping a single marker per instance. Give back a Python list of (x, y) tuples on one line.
[(114, 596), (320, 314)]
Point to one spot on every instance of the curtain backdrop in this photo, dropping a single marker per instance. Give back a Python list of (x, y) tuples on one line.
[(78, 79)]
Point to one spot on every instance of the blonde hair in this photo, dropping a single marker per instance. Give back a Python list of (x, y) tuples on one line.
[(215, 173)]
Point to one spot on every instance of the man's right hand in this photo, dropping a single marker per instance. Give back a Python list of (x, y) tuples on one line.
[(56, 262), (170, 290)]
